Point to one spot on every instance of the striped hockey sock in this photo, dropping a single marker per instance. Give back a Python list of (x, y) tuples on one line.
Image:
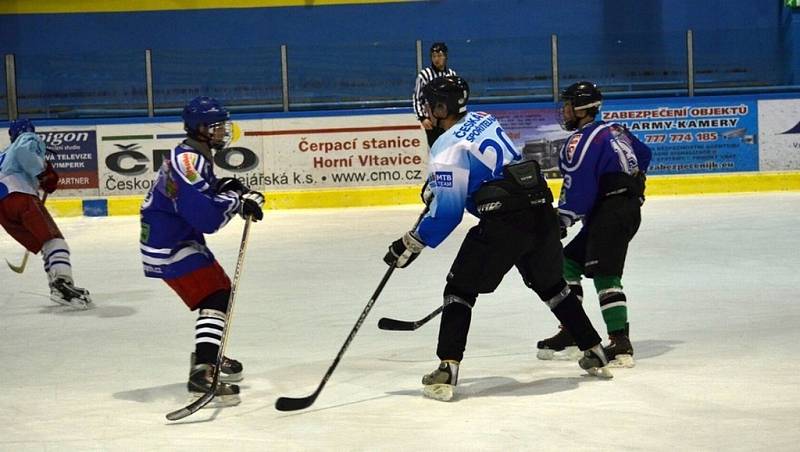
[(55, 254), (208, 335)]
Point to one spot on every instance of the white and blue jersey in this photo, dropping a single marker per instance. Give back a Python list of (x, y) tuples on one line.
[(595, 149), (20, 163), (181, 206), (468, 154)]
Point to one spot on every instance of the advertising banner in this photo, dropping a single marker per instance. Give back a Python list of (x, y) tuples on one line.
[(693, 137), (779, 134), (73, 154), (696, 137), (339, 151)]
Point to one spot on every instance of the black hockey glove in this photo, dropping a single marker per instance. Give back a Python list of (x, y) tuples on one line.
[(426, 194), (231, 184), (251, 205), (404, 250)]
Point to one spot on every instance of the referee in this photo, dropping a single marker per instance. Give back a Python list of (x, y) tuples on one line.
[(438, 68)]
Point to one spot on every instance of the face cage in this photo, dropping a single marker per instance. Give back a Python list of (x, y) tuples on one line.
[(227, 135), (571, 125)]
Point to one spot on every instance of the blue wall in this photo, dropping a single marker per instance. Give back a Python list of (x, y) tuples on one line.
[(348, 53), (446, 19)]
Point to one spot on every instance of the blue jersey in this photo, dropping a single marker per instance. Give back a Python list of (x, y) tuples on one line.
[(20, 163), (181, 206), (468, 154), (595, 149)]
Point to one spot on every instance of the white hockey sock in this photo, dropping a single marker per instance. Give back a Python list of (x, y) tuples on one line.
[(55, 254)]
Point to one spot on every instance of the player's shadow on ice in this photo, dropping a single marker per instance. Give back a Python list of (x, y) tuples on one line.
[(98, 310), (506, 386)]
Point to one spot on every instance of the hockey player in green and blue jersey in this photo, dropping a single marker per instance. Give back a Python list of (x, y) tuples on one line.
[(475, 166), (604, 168)]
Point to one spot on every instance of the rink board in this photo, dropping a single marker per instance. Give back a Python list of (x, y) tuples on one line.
[(382, 196)]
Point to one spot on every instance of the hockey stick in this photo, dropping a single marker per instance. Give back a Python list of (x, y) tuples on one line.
[(293, 404), (386, 323), (206, 398), (21, 267)]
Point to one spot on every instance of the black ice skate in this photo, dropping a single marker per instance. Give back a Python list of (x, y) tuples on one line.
[(200, 378), (440, 384), (559, 347), (594, 362), (620, 350), (230, 371), (64, 292)]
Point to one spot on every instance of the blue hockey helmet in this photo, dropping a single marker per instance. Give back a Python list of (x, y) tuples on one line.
[(202, 116), (451, 90), (19, 127)]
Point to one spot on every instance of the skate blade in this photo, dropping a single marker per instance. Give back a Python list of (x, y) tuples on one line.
[(622, 361), (441, 392), (220, 401), (568, 354), (600, 372), (76, 303), (231, 378)]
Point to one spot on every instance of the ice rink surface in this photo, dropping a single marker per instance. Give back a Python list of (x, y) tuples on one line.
[(712, 284)]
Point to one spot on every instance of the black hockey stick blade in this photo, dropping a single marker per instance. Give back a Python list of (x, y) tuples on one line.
[(294, 404), (406, 325), (386, 323), (193, 407)]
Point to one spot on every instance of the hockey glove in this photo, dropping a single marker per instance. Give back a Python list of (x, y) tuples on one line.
[(426, 194), (231, 184), (564, 222), (251, 206), (48, 179), (404, 250)]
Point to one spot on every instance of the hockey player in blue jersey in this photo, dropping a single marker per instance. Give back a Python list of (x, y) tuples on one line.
[(186, 202), (24, 170), (604, 168), (475, 166)]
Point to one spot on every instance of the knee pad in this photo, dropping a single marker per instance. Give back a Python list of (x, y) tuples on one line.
[(553, 296), (453, 295), (217, 301)]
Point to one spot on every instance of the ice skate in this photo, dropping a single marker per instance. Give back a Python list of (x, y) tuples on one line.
[(595, 363), (560, 347), (441, 383), (231, 370), (64, 292), (620, 351), (200, 378)]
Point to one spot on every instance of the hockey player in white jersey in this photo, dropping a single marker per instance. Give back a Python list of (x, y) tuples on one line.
[(474, 166), (24, 170)]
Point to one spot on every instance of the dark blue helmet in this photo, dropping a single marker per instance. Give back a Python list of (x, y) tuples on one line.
[(204, 113), (19, 127)]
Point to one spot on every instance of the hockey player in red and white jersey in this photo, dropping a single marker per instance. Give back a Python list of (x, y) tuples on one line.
[(24, 171), (186, 202)]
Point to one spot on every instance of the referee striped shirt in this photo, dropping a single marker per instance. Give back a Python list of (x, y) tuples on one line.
[(426, 76)]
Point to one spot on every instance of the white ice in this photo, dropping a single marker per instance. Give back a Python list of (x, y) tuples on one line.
[(715, 321)]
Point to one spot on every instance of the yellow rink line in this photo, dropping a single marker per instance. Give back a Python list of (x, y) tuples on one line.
[(385, 196)]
